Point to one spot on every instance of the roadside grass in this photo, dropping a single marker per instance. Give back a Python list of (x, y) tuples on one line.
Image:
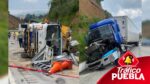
[(3, 38), (79, 35)]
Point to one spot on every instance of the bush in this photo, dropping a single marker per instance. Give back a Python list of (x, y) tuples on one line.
[(3, 37)]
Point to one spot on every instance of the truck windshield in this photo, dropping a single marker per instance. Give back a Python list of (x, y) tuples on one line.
[(101, 33), (53, 29), (53, 38)]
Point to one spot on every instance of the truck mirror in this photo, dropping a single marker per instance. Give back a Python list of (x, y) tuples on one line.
[(117, 27)]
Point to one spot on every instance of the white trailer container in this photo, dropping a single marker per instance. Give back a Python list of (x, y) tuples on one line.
[(129, 31)]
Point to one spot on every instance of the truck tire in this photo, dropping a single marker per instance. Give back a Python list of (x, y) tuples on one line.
[(136, 43)]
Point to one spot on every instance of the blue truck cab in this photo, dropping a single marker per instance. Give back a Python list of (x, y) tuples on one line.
[(107, 27), (104, 43)]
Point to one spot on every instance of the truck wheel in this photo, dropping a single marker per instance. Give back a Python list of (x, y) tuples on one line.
[(136, 43)]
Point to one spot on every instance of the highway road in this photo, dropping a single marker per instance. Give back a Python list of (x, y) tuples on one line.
[(91, 77), (19, 76)]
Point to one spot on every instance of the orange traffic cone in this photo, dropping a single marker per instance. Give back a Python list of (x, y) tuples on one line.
[(66, 64), (56, 67)]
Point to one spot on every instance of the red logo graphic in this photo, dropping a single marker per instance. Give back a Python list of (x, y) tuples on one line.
[(128, 59)]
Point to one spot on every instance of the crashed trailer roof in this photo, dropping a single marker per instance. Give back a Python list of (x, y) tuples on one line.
[(101, 23)]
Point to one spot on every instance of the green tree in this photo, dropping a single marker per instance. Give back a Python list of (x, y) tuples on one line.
[(63, 10)]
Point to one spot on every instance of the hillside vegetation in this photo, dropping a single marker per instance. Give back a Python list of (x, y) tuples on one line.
[(63, 10), (13, 22), (3, 37)]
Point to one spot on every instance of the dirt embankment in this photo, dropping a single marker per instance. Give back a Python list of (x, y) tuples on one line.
[(91, 8), (146, 30), (13, 22)]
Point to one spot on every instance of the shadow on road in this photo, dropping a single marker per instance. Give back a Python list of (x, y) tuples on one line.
[(101, 69)]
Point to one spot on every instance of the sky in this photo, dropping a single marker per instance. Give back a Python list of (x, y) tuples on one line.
[(17, 7), (131, 8), (146, 10)]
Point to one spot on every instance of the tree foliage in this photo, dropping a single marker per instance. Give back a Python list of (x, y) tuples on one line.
[(146, 22), (107, 14), (33, 17), (62, 9)]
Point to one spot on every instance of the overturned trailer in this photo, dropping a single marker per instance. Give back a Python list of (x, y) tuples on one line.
[(44, 43)]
